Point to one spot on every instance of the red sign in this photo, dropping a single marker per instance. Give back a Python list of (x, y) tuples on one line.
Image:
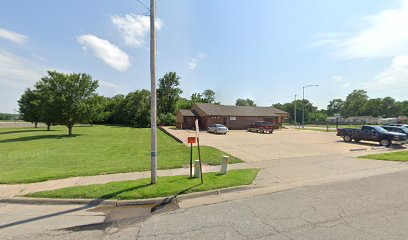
[(191, 140)]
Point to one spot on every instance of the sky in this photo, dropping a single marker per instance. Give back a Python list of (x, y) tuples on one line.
[(263, 50)]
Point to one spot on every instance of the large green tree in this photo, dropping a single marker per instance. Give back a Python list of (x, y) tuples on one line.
[(29, 107), (355, 104), (208, 96), (245, 102), (334, 106), (290, 108), (389, 107), (168, 93), (137, 108), (373, 107), (68, 96)]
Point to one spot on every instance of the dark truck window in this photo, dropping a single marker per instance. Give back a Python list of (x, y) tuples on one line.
[(376, 128)]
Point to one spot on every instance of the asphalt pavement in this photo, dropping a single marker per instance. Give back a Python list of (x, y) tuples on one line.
[(369, 208)]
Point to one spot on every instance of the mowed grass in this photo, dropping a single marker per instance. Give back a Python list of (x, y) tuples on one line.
[(34, 155), (394, 156), (166, 186)]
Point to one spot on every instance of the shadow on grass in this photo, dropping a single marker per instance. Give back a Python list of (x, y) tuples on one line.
[(26, 131), (39, 137)]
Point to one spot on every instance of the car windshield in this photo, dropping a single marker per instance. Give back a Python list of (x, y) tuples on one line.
[(219, 125), (379, 129)]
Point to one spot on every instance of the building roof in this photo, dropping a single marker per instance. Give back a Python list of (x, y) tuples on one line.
[(243, 111), (187, 113)]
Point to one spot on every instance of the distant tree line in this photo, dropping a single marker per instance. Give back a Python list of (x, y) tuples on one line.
[(9, 116), (69, 99), (357, 103)]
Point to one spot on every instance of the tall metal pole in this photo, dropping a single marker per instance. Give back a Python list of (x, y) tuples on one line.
[(153, 104), (295, 111), (303, 103), (303, 108)]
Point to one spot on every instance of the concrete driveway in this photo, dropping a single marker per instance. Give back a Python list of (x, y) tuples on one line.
[(299, 157), (284, 143)]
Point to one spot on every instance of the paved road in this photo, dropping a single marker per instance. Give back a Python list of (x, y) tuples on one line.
[(369, 208)]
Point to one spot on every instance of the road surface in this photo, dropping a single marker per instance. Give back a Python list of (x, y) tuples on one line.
[(369, 208)]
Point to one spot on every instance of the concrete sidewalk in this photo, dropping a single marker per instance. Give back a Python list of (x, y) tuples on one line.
[(274, 174), (10, 190)]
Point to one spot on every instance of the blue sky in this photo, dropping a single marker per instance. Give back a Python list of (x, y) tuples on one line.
[(263, 50)]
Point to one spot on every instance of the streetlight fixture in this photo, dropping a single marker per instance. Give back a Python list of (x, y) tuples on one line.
[(303, 103)]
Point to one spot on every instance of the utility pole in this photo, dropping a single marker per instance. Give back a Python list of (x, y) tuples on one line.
[(303, 104), (295, 111), (153, 104)]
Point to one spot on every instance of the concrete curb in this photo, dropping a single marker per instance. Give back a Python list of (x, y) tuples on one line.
[(102, 202)]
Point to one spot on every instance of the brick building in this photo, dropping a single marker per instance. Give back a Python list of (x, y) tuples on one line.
[(233, 117)]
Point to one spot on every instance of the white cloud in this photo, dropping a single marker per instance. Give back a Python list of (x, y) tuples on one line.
[(339, 80), (106, 51), (195, 61), (134, 28), (17, 72), (383, 35), (108, 85), (193, 64), (13, 36), (394, 76)]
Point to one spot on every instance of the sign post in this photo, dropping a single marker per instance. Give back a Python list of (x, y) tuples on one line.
[(191, 140), (198, 146)]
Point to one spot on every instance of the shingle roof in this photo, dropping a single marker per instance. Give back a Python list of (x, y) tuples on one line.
[(244, 111), (187, 113)]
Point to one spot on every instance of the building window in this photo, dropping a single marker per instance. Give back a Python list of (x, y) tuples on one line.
[(233, 118), (268, 119)]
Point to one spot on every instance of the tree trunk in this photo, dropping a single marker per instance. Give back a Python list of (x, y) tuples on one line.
[(48, 126), (35, 124), (70, 130)]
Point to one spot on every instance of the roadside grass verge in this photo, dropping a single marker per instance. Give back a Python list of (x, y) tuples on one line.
[(140, 189), (394, 156), (33, 155)]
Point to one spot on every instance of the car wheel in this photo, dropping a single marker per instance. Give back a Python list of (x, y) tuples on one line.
[(216, 132), (347, 138), (385, 142)]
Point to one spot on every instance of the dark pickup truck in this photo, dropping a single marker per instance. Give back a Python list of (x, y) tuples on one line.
[(372, 133), (261, 127)]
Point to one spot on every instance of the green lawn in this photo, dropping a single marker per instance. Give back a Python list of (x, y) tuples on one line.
[(394, 156), (166, 186), (33, 155)]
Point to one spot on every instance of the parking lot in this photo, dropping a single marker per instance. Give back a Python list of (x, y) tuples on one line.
[(283, 143), (299, 157)]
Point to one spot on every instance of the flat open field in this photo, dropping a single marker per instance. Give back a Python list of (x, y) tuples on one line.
[(33, 155)]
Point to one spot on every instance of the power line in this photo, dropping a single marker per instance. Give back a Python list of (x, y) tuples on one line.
[(148, 9)]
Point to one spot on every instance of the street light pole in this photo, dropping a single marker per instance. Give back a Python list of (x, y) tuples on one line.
[(303, 104), (153, 104), (295, 111)]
